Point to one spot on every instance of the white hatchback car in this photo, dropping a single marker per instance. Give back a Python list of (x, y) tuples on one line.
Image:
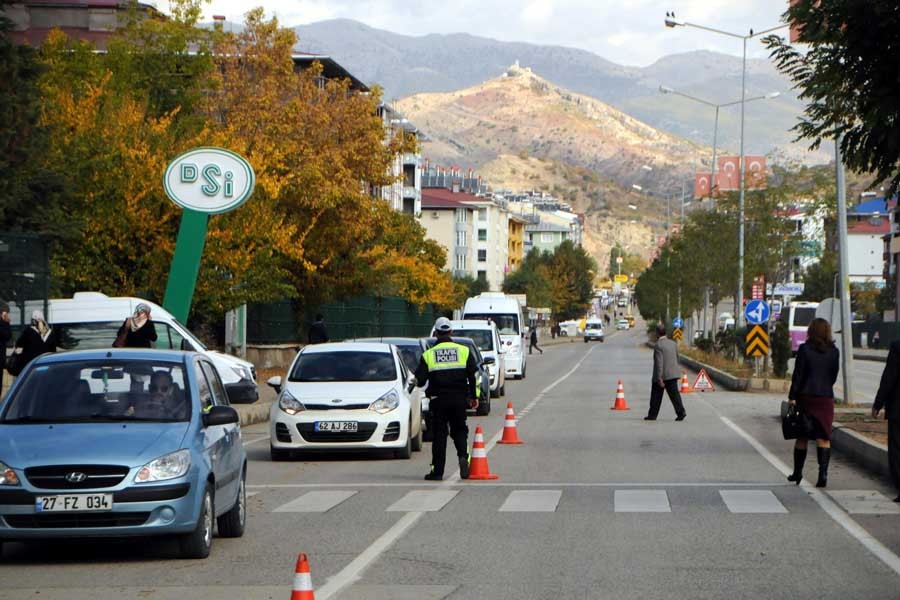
[(346, 396)]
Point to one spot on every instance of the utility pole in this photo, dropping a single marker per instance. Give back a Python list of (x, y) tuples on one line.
[(843, 253)]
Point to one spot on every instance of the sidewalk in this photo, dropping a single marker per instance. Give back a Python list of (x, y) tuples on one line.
[(874, 354)]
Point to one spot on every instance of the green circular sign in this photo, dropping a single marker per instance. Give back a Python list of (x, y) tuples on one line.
[(209, 180)]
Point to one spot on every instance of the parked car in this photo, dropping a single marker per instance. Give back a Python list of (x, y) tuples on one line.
[(593, 330), (411, 349), (346, 396), (487, 338), (90, 320), (121, 443), (482, 379), (622, 324)]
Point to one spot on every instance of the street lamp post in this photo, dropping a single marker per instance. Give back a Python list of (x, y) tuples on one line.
[(672, 22)]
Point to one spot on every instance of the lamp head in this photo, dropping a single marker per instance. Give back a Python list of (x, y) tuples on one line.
[(671, 21), (666, 89)]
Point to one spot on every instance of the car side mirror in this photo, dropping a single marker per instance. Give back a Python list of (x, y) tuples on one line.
[(411, 385), (275, 383), (220, 415), (489, 360)]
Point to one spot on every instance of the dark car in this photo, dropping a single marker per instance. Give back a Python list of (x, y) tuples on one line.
[(482, 379), (411, 349)]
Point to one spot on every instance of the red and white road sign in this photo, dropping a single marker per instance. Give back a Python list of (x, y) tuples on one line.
[(703, 383)]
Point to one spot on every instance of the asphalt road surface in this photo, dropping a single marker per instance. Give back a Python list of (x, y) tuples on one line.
[(595, 504)]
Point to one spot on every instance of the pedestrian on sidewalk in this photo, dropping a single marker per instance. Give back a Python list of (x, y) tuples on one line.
[(888, 398), (666, 375), (449, 370), (815, 371), (36, 339), (317, 333), (138, 330), (533, 341)]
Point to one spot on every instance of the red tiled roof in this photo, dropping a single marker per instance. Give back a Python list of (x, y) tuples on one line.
[(444, 198), (866, 227)]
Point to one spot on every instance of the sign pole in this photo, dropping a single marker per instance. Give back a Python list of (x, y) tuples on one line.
[(186, 264)]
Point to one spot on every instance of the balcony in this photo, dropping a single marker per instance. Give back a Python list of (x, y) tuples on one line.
[(410, 159)]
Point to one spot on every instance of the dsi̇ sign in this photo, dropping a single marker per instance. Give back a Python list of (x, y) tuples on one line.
[(202, 181)]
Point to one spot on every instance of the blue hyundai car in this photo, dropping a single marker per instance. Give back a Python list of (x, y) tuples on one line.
[(121, 443)]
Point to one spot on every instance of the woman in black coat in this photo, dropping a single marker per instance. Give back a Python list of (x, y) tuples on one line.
[(36, 339), (137, 331), (815, 371)]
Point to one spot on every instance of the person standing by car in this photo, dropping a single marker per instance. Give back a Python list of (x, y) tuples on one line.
[(533, 341), (449, 370), (5, 336), (138, 330), (888, 398), (665, 375), (815, 371), (317, 333), (35, 340)]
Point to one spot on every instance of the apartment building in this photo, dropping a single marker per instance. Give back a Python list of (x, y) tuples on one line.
[(450, 221), (516, 242), (491, 242), (405, 194)]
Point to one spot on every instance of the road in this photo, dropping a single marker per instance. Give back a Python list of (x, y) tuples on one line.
[(595, 504)]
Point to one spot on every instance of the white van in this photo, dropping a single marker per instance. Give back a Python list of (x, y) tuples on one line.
[(799, 316), (91, 320), (506, 312), (487, 338)]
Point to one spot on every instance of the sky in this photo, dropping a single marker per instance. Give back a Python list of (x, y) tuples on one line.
[(629, 32)]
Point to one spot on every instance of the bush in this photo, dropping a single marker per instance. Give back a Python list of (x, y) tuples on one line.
[(781, 348), (704, 344)]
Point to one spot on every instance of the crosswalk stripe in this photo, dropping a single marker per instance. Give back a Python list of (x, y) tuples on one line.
[(319, 501), (752, 501), (423, 501), (865, 502), (642, 501), (531, 501)]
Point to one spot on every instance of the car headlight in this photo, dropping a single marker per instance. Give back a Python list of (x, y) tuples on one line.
[(7, 475), (386, 403), (170, 466), (289, 404)]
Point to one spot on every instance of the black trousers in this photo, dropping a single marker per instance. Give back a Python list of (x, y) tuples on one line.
[(448, 412), (894, 451), (656, 394)]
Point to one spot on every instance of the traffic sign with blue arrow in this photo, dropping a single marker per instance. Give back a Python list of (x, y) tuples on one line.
[(678, 323), (757, 312)]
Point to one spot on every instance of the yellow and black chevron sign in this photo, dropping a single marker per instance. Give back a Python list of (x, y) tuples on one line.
[(757, 341), (677, 334)]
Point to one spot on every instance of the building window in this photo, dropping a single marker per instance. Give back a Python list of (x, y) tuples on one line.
[(461, 215), (482, 256), (461, 239), (482, 214), (409, 175), (546, 238), (482, 235), (482, 275)]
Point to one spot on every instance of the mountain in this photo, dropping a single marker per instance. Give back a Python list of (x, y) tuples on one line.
[(404, 65), (520, 112)]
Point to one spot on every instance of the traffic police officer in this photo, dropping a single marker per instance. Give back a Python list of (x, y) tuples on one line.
[(449, 369)]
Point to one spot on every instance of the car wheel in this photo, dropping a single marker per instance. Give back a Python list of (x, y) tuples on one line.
[(197, 543), (406, 451), (495, 393), (231, 524), (523, 372), (417, 441), (484, 408), (585, 340), (279, 454), (503, 389)]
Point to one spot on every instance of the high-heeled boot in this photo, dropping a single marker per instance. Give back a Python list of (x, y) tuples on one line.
[(824, 456), (799, 459)]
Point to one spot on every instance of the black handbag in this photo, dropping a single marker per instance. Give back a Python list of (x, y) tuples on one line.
[(14, 363), (796, 424)]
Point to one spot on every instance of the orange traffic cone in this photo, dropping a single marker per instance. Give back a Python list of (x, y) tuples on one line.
[(510, 433), (620, 398), (685, 386), (478, 466), (303, 589)]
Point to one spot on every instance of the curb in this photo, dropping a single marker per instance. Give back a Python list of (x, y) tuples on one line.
[(871, 357), (251, 414)]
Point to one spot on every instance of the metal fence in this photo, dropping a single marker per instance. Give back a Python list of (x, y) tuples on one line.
[(24, 276), (365, 316)]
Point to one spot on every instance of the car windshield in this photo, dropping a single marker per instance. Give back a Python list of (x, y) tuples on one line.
[(506, 324), (94, 390), (465, 341), (411, 356), (351, 365), (594, 326), (482, 337), (803, 316)]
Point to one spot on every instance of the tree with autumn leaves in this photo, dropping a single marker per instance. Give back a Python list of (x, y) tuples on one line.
[(107, 124)]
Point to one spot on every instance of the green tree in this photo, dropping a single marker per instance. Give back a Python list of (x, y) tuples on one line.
[(843, 72), (819, 278)]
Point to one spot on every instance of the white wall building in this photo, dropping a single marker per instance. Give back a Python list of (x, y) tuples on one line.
[(405, 194), (491, 242), (451, 223)]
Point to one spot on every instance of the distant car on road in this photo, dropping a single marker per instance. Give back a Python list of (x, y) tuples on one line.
[(346, 396), (622, 324), (593, 330), (121, 443)]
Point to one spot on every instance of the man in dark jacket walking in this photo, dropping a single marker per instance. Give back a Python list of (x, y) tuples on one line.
[(665, 376), (888, 398), (317, 333)]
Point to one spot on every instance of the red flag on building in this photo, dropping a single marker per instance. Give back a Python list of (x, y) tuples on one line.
[(755, 172), (702, 188), (728, 179)]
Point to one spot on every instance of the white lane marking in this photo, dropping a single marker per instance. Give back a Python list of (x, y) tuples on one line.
[(423, 501), (641, 501), (891, 560), (865, 502), (316, 502), (353, 571), (524, 484), (256, 441), (532, 501), (752, 501)]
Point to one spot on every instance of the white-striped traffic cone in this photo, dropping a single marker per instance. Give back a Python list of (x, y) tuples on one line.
[(510, 433), (478, 467), (303, 588)]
